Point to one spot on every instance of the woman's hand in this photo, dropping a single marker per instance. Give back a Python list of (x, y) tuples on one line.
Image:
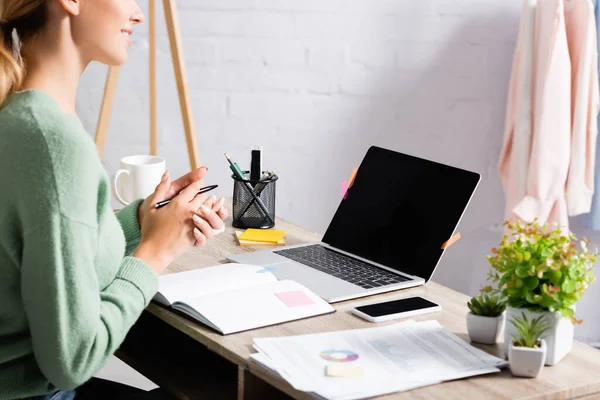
[(174, 188), (168, 232), (209, 220), (219, 208)]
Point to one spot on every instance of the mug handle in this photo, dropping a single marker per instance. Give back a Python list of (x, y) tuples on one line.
[(116, 185)]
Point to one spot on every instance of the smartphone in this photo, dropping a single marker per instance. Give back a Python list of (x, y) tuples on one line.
[(402, 308)]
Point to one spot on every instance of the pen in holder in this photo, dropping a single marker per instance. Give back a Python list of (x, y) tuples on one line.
[(247, 213)]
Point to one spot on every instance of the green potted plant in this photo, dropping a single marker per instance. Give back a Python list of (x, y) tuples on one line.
[(527, 352), (540, 271), (486, 318)]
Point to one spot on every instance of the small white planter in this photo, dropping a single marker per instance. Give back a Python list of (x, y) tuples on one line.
[(559, 338), (525, 361), (485, 330)]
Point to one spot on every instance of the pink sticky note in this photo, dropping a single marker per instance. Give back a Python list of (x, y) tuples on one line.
[(344, 189), (294, 299)]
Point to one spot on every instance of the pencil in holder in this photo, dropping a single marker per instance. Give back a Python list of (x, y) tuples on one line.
[(251, 212)]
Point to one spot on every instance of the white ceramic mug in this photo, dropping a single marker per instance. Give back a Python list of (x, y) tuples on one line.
[(138, 177)]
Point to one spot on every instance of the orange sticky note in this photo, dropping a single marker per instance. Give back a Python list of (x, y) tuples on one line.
[(451, 241), (351, 181), (344, 189)]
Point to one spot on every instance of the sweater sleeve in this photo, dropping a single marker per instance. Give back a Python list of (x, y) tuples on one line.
[(75, 325), (128, 218)]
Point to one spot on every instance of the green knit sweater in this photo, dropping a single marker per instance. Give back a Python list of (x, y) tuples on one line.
[(68, 292)]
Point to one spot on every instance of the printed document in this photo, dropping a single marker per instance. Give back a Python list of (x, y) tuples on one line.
[(393, 358)]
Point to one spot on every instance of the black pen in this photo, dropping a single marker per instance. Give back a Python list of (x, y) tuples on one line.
[(202, 190)]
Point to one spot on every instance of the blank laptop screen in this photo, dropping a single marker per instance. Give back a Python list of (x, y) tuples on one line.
[(400, 210)]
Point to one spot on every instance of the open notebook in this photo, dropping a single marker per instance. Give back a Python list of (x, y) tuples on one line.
[(237, 297)]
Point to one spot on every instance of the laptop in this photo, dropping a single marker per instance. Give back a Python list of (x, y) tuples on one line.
[(387, 234)]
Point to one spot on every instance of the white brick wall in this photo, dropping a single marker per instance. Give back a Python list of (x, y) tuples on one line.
[(318, 81)]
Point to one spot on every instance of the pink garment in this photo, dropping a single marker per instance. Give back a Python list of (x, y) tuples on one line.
[(514, 159), (581, 38), (545, 148)]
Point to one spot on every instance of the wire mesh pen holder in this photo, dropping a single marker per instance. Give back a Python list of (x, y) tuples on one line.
[(248, 212)]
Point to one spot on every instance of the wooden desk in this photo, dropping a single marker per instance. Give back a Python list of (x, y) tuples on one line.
[(193, 362)]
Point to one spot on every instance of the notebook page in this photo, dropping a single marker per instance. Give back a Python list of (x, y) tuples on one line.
[(205, 281), (258, 306)]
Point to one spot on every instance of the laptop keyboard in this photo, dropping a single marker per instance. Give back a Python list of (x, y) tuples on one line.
[(341, 266)]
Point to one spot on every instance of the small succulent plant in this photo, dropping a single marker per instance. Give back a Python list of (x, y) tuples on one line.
[(529, 332), (486, 305)]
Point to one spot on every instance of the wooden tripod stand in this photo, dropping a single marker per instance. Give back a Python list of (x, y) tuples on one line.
[(180, 77)]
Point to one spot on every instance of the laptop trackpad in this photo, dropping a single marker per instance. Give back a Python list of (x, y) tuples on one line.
[(322, 284)]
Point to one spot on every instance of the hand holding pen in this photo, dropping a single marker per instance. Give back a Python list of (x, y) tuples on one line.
[(210, 204), (169, 232), (211, 214), (176, 188), (205, 189)]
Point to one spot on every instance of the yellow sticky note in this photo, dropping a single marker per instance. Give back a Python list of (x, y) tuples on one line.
[(263, 235), (343, 371), (251, 243)]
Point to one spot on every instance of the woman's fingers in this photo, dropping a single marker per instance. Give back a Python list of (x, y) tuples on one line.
[(219, 208), (210, 202), (218, 204), (203, 226), (161, 189), (181, 183), (211, 217), (223, 213), (200, 238), (198, 201), (200, 198), (189, 194)]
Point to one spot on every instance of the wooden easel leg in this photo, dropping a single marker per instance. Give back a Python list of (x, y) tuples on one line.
[(181, 78), (107, 102), (152, 52)]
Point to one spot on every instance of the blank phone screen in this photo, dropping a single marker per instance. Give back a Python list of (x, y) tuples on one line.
[(396, 306)]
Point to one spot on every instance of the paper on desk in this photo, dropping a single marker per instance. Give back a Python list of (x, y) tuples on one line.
[(272, 355), (394, 358), (265, 362)]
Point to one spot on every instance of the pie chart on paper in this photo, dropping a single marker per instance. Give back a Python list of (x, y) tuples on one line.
[(340, 356)]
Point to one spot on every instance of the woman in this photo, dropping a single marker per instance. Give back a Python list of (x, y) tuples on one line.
[(74, 276)]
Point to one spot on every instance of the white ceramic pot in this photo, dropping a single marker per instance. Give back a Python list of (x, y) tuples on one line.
[(525, 361), (559, 338), (485, 329)]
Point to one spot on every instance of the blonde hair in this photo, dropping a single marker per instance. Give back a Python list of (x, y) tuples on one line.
[(21, 20)]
